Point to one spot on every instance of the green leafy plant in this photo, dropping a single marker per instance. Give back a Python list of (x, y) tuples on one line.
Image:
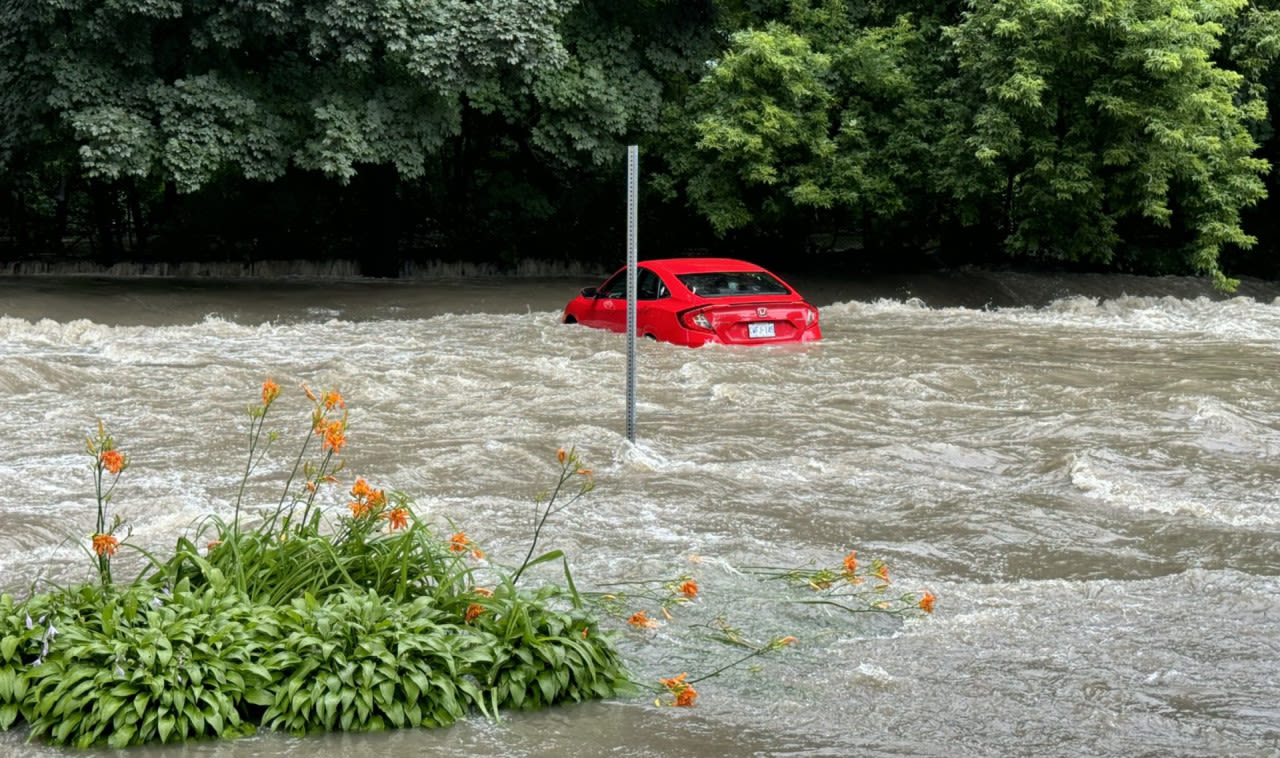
[(23, 639), (302, 622), (358, 660), (545, 656), (133, 665)]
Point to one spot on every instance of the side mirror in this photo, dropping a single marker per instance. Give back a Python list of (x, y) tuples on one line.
[(589, 292)]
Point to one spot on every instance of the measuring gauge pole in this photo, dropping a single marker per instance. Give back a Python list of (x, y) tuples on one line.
[(633, 183)]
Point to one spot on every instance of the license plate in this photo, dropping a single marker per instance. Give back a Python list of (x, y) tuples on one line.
[(760, 330)]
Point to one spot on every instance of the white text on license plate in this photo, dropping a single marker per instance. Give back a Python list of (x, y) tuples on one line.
[(760, 329)]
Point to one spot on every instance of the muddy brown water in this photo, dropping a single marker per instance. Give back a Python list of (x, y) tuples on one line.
[(1083, 470)]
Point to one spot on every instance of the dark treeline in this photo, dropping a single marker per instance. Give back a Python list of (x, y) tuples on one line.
[(1125, 135)]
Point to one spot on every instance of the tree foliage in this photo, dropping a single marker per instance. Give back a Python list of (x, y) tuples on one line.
[(1129, 133), (1095, 114), (816, 113), (184, 90)]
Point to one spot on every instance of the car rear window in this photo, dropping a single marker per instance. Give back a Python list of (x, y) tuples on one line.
[(731, 283)]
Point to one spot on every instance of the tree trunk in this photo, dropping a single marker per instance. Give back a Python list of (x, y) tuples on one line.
[(138, 228), (61, 213), (105, 240)]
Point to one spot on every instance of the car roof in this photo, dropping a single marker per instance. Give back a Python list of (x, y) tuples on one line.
[(699, 265)]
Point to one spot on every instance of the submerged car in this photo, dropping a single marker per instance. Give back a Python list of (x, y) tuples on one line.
[(695, 301)]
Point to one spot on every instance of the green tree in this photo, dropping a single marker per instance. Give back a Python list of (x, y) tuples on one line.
[(818, 117), (187, 88), (536, 165), (401, 116), (758, 124), (165, 97), (1252, 47), (1093, 118)]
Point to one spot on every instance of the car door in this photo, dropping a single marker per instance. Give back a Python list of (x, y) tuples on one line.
[(609, 307), (651, 317), (609, 310)]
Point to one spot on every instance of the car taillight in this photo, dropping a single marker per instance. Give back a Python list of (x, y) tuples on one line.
[(696, 320), (810, 316)]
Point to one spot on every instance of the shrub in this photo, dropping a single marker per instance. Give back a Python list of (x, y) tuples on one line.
[(133, 665), (358, 660)]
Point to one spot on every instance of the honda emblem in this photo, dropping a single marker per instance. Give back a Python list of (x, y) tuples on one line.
[(762, 311)]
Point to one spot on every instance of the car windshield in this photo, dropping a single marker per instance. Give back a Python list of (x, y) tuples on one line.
[(731, 283)]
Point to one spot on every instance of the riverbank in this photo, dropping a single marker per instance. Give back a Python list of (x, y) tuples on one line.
[(964, 287), (285, 269), (1007, 288)]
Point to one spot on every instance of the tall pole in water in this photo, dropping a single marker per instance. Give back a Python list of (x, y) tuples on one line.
[(633, 183)]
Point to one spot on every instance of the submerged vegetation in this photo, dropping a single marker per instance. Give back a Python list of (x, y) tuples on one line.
[(290, 618)]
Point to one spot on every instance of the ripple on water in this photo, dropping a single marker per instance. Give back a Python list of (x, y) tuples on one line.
[(1088, 487)]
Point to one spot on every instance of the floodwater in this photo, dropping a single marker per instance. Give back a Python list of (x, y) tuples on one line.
[(1083, 470)]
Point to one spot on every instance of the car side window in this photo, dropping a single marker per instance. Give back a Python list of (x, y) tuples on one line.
[(649, 286), (615, 288)]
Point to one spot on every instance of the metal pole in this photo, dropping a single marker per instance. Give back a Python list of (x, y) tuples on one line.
[(633, 183)]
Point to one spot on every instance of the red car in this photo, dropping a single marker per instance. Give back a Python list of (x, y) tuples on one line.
[(693, 301)]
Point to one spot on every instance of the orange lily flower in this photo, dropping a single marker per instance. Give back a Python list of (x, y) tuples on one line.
[(361, 488), (334, 436), (270, 391), (684, 692), (105, 544), (112, 461), (641, 620)]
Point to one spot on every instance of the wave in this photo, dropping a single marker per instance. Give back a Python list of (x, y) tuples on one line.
[(1235, 319)]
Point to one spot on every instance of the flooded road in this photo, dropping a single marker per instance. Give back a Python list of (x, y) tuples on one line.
[(1083, 470)]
